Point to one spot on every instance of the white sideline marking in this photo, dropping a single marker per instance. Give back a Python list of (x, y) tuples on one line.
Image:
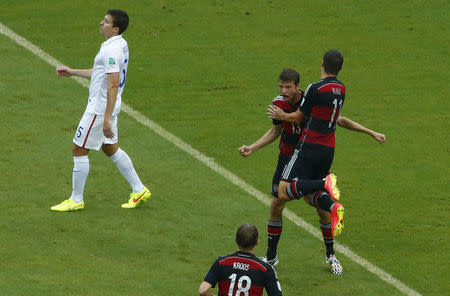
[(217, 168)]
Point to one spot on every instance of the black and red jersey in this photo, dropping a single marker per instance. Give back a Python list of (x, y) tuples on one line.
[(291, 131), (243, 273), (321, 104)]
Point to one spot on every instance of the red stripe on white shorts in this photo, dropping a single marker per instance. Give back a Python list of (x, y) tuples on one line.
[(87, 135)]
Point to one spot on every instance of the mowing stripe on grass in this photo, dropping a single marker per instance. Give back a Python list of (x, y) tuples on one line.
[(217, 168)]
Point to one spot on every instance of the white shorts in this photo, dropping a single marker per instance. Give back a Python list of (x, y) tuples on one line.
[(89, 132)]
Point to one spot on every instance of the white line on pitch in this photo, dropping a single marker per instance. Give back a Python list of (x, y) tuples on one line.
[(217, 168)]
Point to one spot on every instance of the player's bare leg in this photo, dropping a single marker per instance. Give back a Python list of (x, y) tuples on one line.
[(282, 194), (276, 209), (79, 151)]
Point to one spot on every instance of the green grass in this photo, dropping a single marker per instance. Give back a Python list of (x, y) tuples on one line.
[(206, 71)]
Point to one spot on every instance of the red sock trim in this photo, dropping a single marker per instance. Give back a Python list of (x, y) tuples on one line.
[(274, 230), (327, 233)]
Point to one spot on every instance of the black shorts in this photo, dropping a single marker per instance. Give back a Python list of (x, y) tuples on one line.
[(282, 161), (310, 162)]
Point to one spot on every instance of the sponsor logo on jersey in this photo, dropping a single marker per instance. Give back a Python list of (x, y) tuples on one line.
[(112, 61)]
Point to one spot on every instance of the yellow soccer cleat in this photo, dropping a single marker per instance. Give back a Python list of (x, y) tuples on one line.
[(68, 205), (330, 186), (137, 198), (337, 219)]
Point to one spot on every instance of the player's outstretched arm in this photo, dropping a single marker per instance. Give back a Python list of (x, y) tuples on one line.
[(354, 126), (64, 71), (270, 136)]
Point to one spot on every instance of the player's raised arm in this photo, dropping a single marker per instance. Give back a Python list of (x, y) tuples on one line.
[(354, 126)]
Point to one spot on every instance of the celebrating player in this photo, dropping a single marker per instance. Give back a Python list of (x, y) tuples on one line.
[(98, 126), (289, 133), (308, 168)]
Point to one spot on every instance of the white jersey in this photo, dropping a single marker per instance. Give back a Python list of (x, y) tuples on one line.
[(112, 58)]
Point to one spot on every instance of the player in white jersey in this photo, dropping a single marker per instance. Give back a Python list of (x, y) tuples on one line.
[(98, 126)]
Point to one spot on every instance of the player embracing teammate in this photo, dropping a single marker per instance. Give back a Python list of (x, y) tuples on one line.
[(307, 173), (306, 152)]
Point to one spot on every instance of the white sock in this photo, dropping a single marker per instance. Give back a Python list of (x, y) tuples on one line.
[(125, 166), (79, 176)]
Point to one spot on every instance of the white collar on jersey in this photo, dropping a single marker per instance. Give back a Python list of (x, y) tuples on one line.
[(112, 39)]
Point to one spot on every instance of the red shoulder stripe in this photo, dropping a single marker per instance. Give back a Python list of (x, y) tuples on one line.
[(253, 264), (332, 87)]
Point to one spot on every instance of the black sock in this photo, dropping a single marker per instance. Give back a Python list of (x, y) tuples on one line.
[(327, 238), (324, 202), (305, 187), (299, 188), (274, 229)]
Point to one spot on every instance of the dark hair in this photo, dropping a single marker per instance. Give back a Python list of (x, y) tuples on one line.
[(289, 75), (120, 19), (247, 237), (332, 61)]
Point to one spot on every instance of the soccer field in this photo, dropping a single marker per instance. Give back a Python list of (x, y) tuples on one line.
[(200, 77)]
